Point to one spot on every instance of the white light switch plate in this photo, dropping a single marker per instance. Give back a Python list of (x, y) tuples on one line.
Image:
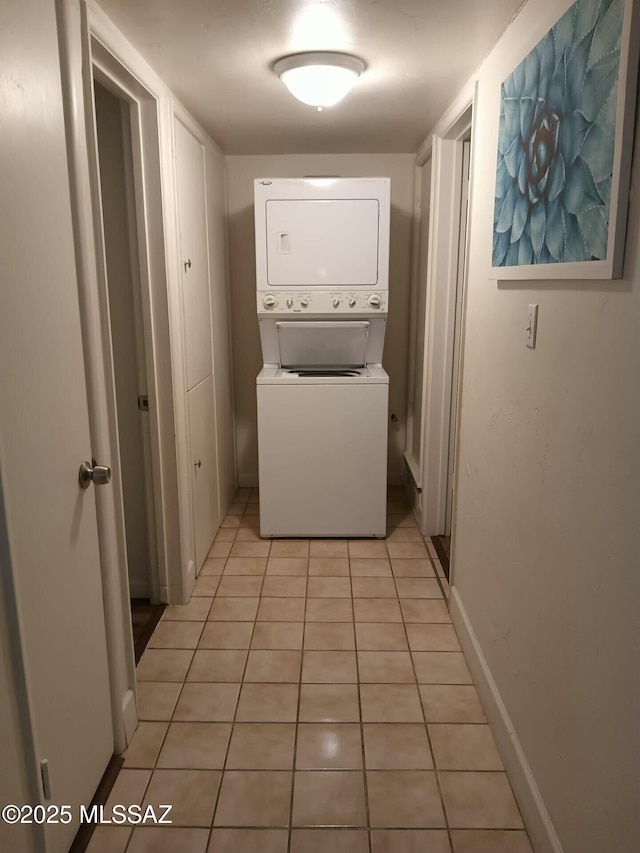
[(532, 326)]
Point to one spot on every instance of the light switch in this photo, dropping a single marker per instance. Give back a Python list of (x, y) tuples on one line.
[(532, 326)]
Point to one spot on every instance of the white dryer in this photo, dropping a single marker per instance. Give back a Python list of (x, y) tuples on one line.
[(322, 249)]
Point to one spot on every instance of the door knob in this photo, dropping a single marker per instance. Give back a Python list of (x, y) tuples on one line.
[(198, 463), (99, 475)]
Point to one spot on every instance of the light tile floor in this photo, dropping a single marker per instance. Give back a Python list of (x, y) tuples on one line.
[(312, 697)]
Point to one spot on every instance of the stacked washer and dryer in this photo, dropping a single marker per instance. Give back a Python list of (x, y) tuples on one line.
[(322, 280)]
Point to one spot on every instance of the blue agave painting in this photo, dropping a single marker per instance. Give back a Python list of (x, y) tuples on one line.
[(556, 142)]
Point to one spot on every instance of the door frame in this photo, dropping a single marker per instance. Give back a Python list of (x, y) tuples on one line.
[(456, 343), (91, 45), (445, 148), (142, 117)]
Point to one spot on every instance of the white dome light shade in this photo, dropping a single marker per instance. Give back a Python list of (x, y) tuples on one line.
[(319, 79)]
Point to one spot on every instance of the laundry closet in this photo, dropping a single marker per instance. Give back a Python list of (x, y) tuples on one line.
[(322, 262)]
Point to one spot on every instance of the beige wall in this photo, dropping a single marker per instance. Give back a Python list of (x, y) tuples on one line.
[(547, 539), (241, 172)]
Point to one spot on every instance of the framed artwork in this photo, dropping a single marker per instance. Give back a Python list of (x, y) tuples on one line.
[(564, 148)]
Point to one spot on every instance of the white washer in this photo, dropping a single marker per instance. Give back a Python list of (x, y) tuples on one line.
[(322, 450), (322, 258)]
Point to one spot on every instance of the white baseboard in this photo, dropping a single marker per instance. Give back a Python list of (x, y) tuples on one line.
[(534, 813), (129, 715), (190, 581)]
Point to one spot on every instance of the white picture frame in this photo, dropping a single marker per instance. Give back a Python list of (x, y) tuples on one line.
[(558, 123)]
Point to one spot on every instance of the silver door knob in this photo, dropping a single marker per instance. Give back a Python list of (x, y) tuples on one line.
[(89, 472)]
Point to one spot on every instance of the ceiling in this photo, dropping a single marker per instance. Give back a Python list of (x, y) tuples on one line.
[(216, 56)]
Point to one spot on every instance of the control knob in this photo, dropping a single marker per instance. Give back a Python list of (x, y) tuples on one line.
[(269, 301), (289, 302), (304, 303), (375, 300), (335, 302), (352, 303)]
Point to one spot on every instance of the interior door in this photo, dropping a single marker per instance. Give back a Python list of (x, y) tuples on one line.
[(204, 481), (192, 221), (44, 429), (113, 135)]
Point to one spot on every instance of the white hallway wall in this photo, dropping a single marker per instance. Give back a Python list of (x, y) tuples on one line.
[(546, 538), (247, 359)]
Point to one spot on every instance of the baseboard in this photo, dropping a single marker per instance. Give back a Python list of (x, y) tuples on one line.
[(413, 471), (534, 813), (412, 489), (129, 715)]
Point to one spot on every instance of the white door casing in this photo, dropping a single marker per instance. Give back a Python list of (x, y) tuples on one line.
[(457, 336), (113, 134), (441, 305)]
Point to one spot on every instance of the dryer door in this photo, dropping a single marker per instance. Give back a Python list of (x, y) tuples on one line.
[(322, 242)]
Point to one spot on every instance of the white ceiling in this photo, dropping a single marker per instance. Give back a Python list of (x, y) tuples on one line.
[(216, 55)]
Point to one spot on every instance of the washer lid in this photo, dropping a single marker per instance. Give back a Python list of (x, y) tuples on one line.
[(372, 374)]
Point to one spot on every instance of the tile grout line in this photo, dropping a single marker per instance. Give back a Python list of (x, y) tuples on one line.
[(297, 720), (364, 757), (426, 727), (242, 681), (217, 797)]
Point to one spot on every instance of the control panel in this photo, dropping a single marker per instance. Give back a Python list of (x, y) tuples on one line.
[(325, 302)]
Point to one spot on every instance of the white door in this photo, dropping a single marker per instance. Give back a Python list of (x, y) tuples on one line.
[(204, 480), (192, 223), (322, 242), (44, 428)]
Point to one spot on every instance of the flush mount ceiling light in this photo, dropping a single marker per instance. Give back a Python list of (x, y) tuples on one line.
[(318, 78)]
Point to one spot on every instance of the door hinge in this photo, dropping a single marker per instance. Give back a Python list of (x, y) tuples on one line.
[(46, 783), (143, 402)]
